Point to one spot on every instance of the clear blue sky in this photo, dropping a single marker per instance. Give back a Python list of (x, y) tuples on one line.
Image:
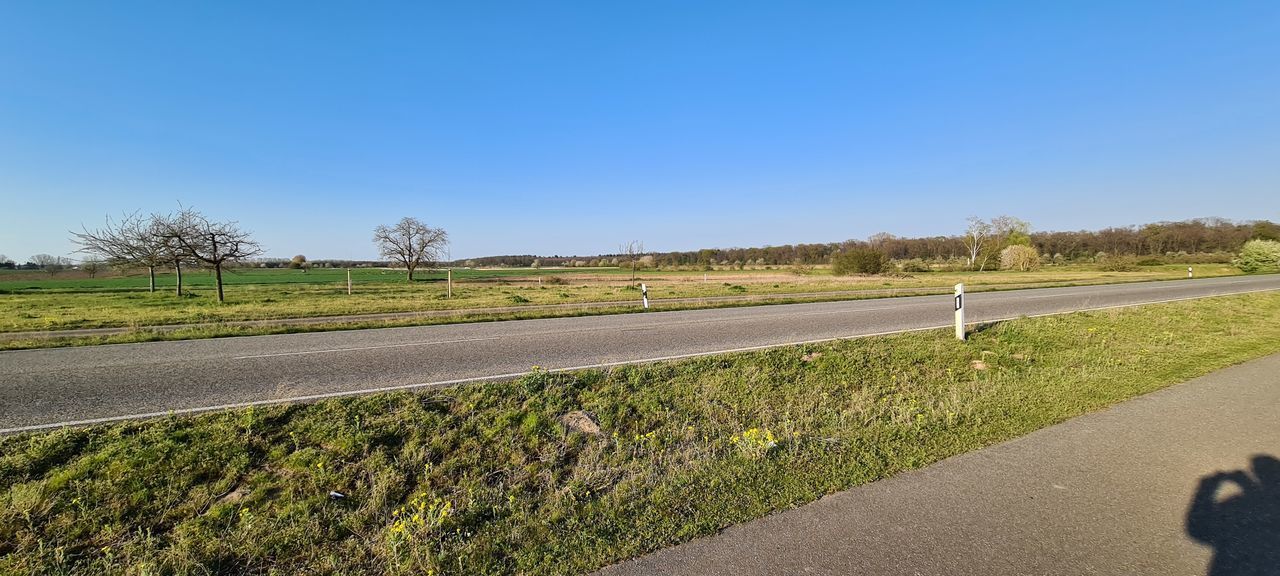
[(568, 128)]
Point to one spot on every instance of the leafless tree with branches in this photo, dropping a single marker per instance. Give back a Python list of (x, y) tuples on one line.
[(131, 241), (193, 235), (632, 250), (411, 243), (50, 263)]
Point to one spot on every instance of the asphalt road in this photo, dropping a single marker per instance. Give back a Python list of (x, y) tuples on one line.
[(61, 386), (1183, 481)]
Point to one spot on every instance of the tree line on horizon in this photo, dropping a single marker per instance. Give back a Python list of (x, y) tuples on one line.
[(1159, 239)]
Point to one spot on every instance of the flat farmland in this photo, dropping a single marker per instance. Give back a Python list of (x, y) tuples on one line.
[(34, 301)]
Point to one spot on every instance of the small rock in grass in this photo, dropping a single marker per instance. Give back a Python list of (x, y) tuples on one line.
[(581, 421), (810, 357), (978, 365), (235, 495)]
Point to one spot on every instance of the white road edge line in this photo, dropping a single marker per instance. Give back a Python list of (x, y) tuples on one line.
[(327, 395)]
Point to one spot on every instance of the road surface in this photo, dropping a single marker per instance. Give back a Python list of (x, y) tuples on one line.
[(61, 386), (1113, 492)]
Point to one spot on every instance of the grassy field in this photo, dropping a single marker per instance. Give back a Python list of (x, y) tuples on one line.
[(487, 479), (32, 301)]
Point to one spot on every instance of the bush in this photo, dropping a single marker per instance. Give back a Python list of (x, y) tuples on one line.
[(857, 261), (1107, 263), (1201, 258), (1019, 257), (1259, 256), (914, 265)]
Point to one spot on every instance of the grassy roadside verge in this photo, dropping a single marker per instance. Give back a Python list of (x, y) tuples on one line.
[(486, 479)]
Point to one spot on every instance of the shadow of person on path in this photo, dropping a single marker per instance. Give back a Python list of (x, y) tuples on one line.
[(1243, 525)]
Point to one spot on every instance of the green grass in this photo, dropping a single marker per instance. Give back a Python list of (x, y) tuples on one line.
[(482, 479), (31, 302)]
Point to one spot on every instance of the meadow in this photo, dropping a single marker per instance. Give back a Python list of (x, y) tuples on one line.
[(35, 301), (498, 478)]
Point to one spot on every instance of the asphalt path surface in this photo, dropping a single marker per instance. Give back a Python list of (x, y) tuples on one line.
[(67, 386), (1183, 481)]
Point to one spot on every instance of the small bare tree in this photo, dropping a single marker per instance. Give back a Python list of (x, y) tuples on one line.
[(91, 266), (50, 263), (214, 243), (632, 250), (411, 243)]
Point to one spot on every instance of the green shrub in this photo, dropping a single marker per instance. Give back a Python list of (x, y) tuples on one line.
[(857, 261), (1200, 258), (1117, 263), (914, 265), (1259, 256)]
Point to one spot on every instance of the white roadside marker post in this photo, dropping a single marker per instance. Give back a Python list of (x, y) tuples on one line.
[(960, 311), (450, 281), (1189, 272), (348, 281), (644, 295)]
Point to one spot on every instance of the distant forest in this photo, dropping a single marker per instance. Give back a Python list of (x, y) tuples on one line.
[(1160, 239)]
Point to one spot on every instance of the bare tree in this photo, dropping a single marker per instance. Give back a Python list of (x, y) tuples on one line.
[(50, 263), (632, 250), (131, 241), (92, 266), (193, 235), (975, 236), (165, 247), (411, 243)]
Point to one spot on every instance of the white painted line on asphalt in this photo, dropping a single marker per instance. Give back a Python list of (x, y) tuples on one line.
[(327, 395), (407, 344)]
